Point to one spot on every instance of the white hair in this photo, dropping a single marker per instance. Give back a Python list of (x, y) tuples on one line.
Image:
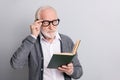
[(42, 8)]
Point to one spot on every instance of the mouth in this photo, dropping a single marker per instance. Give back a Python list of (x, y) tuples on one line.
[(51, 31)]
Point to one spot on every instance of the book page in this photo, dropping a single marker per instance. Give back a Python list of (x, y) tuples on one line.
[(76, 45)]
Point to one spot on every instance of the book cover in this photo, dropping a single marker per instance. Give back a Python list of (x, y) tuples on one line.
[(63, 58)]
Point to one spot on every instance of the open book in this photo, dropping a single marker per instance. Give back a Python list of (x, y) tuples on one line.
[(63, 58)]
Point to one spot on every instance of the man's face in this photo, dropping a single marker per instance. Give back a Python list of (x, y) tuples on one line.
[(49, 23)]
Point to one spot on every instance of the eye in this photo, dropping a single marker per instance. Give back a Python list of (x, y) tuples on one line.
[(45, 23), (56, 22)]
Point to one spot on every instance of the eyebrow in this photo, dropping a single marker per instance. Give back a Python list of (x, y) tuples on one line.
[(50, 20)]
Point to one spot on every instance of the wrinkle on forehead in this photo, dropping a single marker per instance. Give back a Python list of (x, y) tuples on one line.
[(48, 14)]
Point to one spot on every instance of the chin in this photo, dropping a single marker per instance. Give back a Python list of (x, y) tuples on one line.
[(49, 35)]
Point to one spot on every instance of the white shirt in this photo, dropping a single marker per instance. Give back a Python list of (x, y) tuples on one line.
[(48, 50)]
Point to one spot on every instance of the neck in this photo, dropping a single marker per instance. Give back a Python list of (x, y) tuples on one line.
[(50, 40)]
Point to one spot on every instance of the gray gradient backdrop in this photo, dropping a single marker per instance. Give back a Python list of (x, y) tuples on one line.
[(95, 22)]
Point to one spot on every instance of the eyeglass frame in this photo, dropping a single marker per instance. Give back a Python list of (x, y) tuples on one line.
[(49, 22)]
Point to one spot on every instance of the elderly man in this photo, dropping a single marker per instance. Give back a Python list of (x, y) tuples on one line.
[(37, 49)]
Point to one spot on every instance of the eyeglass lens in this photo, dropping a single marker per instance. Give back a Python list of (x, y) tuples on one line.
[(46, 23)]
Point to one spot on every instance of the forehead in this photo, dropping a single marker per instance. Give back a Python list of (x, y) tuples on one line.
[(48, 14)]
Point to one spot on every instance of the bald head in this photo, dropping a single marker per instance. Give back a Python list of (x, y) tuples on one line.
[(46, 13)]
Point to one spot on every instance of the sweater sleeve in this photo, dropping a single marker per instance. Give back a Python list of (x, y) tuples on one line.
[(20, 56)]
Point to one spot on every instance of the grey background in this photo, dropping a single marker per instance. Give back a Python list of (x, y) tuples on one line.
[(95, 22)]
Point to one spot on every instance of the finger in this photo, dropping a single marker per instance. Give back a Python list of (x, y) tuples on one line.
[(61, 69), (35, 27), (32, 26), (38, 24), (70, 65), (38, 21), (65, 67)]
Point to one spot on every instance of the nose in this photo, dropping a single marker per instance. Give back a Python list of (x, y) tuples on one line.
[(51, 26)]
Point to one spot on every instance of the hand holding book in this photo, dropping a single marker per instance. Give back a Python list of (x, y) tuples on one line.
[(68, 69), (63, 58)]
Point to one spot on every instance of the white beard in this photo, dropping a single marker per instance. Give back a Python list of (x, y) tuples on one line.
[(49, 34)]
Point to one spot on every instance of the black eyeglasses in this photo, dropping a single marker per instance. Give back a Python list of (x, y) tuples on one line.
[(46, 23)]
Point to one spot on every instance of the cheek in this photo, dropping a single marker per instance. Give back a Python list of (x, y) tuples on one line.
[(52, 28), (55, 28), (43, 28)]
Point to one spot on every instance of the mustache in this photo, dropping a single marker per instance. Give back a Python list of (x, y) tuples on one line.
[(51, 31)]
